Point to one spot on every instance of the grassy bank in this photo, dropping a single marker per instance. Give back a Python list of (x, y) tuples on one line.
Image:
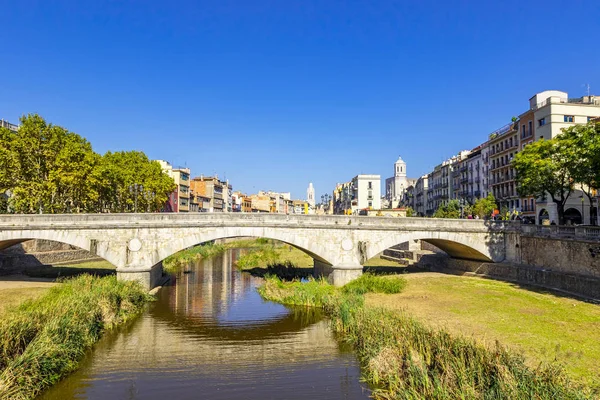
[(43, 339), (543, 326), (403, 358)]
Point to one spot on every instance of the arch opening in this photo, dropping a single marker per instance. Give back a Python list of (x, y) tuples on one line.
[(573, 217), (282, 250)]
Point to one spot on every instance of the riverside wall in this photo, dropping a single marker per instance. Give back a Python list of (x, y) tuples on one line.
[(36, 252)]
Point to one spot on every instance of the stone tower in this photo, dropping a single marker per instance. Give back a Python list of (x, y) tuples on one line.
[(400, 181), (310, 195)]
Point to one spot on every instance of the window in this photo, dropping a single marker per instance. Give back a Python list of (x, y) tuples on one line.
[(530, 128), (542, 122), (370, 204), (370, 185), (569, 118), (517, 203)]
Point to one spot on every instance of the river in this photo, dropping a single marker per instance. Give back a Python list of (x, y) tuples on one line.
[(209, 335)]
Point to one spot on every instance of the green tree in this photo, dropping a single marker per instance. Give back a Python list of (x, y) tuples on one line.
[(50, 167), (544, 169), (117, 172), (484, 207), (584, 141), (448, 210)]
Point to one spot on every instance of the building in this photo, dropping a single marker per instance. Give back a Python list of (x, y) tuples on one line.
[(421, 187), (8, 125), (366, 191), (342, 199), (179, 200), (310, 195), (219, 192), (397, 184), (503, 145), (553, 111)]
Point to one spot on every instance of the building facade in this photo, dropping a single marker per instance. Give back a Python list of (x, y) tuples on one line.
[(179, 200)]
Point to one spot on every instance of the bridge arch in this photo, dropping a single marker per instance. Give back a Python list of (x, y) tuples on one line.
[(73, 238), (310, 246), (455, 244)]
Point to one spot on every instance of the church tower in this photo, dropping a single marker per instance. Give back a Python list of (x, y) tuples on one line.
[(400, 181), (310, 195)]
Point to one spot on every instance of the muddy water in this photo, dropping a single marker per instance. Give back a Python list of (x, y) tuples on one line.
[(211, 336)]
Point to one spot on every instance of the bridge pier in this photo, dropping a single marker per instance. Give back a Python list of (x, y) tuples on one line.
[(149, 278), (338, 274)]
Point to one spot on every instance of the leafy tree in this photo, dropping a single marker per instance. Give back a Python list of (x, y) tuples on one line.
[(545, 168), (118, 172), (48, 169), (449, 210), (485, 207), (585, 141)]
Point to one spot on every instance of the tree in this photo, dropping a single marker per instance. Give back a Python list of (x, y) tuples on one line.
[(484, 207), (449, 210), (585, 170), (544, 169), (118, 172)]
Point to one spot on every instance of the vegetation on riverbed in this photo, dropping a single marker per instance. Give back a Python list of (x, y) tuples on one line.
[(43, 339), (402, 358), (261, 253)]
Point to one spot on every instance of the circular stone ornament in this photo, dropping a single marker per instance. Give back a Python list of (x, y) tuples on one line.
[(134, 244), (347, 244)]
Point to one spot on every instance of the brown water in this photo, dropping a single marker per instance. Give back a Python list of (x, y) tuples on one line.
[(211, 336)]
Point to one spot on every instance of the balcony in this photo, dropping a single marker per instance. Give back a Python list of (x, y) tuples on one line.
[(445, 184), (464, 180), (477, 193)]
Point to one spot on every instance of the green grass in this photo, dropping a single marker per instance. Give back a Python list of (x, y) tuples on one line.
[(10, 298), (44, 339), (404, 359), (543, 326), (271, 253), (368, 283), (69, 269)]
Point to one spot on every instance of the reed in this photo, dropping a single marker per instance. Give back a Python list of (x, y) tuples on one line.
[(184, 257), (404, 359), (44, 339)]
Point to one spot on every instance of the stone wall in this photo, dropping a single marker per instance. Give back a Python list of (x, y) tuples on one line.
[(561, 255), (40, 252), (556, 279)]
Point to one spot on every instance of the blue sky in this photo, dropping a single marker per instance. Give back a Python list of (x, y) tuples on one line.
[(276, 94)]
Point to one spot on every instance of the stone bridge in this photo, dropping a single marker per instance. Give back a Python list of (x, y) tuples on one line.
[(137, 243)]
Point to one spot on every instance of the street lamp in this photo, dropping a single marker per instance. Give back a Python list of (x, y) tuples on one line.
[(582, 201), (325, 201), (135, 189)]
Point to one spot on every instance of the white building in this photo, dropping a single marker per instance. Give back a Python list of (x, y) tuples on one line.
[(366, 193), (553, 111), (310, 195)]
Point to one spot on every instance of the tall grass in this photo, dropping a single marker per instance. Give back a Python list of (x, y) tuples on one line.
[(43, 340), (403, 359)]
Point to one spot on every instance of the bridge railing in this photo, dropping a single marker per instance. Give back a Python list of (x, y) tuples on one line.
[(565, 232)]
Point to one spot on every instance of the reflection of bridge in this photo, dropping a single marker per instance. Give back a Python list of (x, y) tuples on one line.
[(137, 243)]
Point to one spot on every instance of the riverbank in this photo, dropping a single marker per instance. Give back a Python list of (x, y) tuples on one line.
[(403, 357), (44, 338)]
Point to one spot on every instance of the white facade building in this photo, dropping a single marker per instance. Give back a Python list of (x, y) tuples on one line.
[(366, 193)]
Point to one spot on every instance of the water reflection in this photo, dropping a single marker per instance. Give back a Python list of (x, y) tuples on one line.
[(210, 335)]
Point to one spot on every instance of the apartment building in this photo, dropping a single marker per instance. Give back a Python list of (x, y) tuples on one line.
[(179, 200), (366, 193), (219, 192), (554, 111), (504, 144), (342, 198), (421, 187), (8, 125)]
